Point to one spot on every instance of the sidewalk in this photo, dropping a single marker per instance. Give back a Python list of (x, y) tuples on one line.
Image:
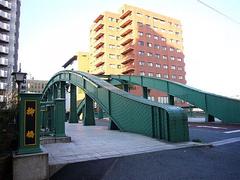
[(97, 142)]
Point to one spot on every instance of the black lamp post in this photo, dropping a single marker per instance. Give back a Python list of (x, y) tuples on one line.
[(19, 77)]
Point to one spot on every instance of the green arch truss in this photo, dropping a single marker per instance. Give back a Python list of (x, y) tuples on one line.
[(224, 108), (128, 112)]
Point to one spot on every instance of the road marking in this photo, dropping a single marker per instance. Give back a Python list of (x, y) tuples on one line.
[(226, 141), (212, 127), (234, 131)]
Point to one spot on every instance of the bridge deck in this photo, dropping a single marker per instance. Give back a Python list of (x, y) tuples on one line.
[(96, 142)]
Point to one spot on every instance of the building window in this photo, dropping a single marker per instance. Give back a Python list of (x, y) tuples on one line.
[(149, 54), (180, 68), (140, 33), (173, 67), (150, 64), (158, 66), (142, 73), (155, 28), (141, 63), (171, 49), (113, 66), (155, 37), (111, 19), (173, 76), (140, 43), (178, 50), (140, 24), (163, 39), (148, 17), (162, 21), (163, 30), (170, 32), (178, 42), (141, 53), (164, 48), (164, 57), (139, 14), (157, 56), (117, 37), (179, 59), (148, 26), (150, 74), (180, 77), (148, 35), (112, 56), (111, 37), (158, 75), (165, 66), (110, 27), (156, 46), (177, 33), (149, 44), (165, 76), (172, 58), (111, 46)]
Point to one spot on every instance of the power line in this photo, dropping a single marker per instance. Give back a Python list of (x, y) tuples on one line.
[(219, 12)]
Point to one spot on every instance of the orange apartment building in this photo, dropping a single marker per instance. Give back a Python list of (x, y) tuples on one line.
[(136, 41)]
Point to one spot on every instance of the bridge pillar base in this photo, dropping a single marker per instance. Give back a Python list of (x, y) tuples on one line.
[(89, 119), (209, 118), (113, 126)]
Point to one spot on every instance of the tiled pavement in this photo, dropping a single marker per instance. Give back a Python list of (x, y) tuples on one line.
[(97, 142)]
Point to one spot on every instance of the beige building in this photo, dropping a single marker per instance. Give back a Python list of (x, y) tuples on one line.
[(35, 86), (136, 41)]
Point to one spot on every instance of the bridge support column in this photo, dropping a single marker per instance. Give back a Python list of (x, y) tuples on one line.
[(145, 92), (170, 99), (125, 87), (88, 112), (209, 118), (59, 116), (73, 105)]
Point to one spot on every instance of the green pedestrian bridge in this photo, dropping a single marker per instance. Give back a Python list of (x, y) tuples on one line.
[(128, 112)]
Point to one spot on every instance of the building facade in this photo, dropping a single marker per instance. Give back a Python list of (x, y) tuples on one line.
[(9, 32), (136, 41), (35, 86)]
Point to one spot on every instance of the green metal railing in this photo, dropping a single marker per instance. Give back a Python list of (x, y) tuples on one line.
[(128, 112), (224, 108)]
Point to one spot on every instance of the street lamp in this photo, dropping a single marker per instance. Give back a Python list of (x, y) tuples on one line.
[(19, 77)]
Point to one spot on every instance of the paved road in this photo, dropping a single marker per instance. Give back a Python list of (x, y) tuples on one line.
[(218, 162)]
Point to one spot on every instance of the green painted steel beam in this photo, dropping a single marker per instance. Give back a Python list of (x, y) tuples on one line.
[(88, 113), (128, 112), (73, 105), (224, 108)]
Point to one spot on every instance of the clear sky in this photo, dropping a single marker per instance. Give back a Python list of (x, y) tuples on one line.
[(52, 31)]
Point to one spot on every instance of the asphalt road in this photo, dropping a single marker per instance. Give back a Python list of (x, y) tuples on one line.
[(219, 162)]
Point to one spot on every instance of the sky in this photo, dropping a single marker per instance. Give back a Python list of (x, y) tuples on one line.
[(52, 31)]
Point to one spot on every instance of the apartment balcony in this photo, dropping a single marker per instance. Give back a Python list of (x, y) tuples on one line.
[(3, 86), (5, 26), (2, 98), (5, 4), (100, 17), (124, 15), (3, 74), (98, 35), (125, 32), (99, 43), (127, 59), (99, 63), (4, 38), (98, 26), (99, 52), (4, 50), (124, 23), (127, 39), (127, 49), (128, 69), (3, 61), (4, 15)]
